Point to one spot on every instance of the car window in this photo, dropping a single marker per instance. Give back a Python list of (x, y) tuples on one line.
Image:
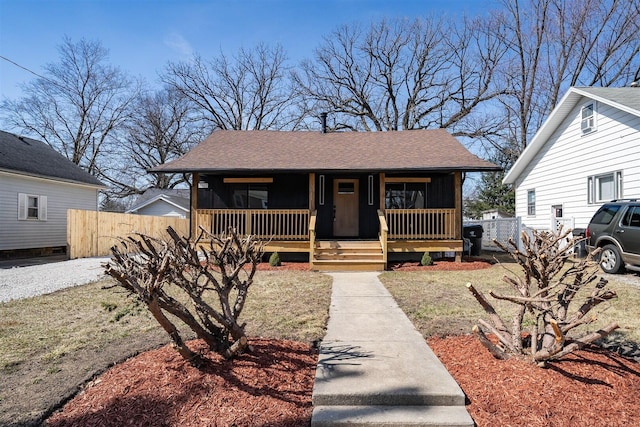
[(632, 217), (605, 214)]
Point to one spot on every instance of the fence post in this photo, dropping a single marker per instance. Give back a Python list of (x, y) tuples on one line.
[(519, 233)]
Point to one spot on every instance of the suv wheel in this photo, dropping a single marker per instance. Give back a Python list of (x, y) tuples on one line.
[(610, 259)]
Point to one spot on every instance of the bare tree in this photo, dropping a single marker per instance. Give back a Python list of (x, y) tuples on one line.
[(162, 127), (78, 106), (554, 44), (249, 91), (401, 74)]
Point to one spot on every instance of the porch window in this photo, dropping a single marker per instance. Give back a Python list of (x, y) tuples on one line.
[(406, 195), (249, 196)]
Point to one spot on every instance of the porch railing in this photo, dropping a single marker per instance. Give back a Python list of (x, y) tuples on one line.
[(274, 224), (407, 224)]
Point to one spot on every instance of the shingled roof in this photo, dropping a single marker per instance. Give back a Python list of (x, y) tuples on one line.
[(245, 151), (32, 157)]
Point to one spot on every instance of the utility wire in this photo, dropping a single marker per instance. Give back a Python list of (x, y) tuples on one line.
[(30, 71)]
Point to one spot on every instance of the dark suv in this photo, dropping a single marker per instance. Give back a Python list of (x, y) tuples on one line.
[(615, 228)]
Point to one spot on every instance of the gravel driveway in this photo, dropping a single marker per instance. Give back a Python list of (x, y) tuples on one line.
[(24, 282)]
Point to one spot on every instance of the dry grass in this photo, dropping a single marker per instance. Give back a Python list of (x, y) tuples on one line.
[(52, 343), (438, 302)]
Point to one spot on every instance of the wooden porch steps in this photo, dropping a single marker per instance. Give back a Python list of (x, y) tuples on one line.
[(348, 255)]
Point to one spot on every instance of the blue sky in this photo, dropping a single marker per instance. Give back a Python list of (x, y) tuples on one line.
[(142, 35)]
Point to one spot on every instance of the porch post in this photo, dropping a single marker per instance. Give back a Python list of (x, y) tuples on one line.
[(194, 205), (457, 178)]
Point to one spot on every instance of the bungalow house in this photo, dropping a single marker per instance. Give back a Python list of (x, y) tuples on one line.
[(162, 202), (586, 153), (37, 186), (347, 199)]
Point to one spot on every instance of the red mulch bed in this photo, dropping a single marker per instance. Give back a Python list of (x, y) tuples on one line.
[(269, 387), (291, 266), (273, 386), (591, 387), (445, 265)]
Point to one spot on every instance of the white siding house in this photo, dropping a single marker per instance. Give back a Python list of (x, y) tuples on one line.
[(586, 153), (37, 186)]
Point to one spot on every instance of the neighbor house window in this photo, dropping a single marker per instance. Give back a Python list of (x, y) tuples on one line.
[(587, 116), (605, 187), (531, 202), (32, 207)]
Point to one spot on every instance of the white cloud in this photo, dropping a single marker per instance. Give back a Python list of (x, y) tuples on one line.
[(179, 44)]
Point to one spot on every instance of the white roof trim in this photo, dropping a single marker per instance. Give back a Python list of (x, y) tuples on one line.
[(557, 116), (162, 197)]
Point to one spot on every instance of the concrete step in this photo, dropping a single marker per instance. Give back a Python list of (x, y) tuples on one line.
[(367, 416)]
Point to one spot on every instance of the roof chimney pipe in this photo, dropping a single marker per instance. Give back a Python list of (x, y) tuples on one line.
[(323, 119)]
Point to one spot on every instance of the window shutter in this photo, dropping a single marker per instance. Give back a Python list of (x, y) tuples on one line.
[(22, 206), (42, 208)]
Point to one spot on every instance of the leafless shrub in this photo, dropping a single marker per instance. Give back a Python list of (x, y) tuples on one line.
[(214, 273), (546, 290)]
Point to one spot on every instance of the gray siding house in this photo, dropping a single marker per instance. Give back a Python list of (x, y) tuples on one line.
[(159, 202), (37, 187)]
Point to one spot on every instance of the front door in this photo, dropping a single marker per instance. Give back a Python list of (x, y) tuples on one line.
[(345, 207)]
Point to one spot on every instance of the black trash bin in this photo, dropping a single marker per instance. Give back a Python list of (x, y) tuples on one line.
[(580, 248), (473, 232)]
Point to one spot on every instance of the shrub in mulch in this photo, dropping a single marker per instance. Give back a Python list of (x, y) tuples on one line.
[(590, 387)]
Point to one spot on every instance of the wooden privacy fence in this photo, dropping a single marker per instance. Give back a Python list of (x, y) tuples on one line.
[(91, 233)]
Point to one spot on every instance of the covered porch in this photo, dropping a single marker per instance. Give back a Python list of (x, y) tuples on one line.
[(364, 246)]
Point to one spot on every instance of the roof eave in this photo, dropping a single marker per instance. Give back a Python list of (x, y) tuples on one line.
[(52, 178), (319, 170)]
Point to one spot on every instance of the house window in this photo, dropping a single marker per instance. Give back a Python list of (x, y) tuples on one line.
[(605, 187), (531, 202), (249, 196), (32, 207), (406, 195), (587, 116), (346, 187)]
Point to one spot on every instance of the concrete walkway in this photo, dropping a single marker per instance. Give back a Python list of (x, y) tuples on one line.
[(375, 368)]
